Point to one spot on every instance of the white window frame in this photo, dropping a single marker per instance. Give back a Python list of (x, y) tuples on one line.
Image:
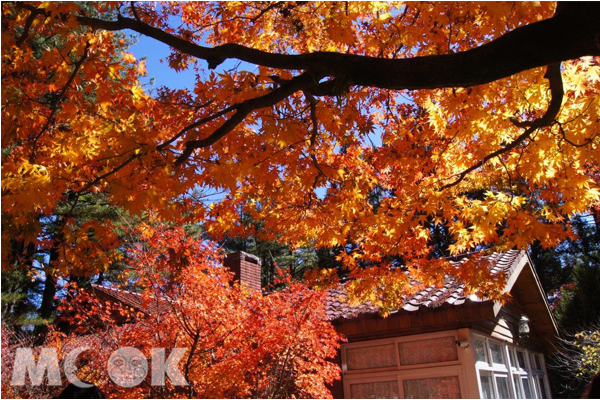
[(492, 369)]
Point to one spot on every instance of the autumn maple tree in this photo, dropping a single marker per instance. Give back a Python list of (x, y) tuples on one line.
[(238, 342), (482, 118)]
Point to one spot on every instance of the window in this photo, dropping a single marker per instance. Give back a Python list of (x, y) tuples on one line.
[(508, 372), (511, 356), (496, 350), (502, 385), (521, 359), (480, 350), (542, 387), (487, 389), (526, 387), (518, 387), (418, 366)]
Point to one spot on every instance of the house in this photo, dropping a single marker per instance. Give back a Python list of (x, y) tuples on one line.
[(441, 344)]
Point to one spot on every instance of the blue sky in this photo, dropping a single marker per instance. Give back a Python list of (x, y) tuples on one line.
[(155, 51)]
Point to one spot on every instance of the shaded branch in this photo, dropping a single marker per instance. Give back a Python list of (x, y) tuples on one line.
[(573, 32), (107, 174), (313, 137), (586, 142), (194, 125), (32, 16)]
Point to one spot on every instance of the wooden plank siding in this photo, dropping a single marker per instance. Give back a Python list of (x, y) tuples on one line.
[(373, 326), (505, 326), (528, 299), (477, 316)]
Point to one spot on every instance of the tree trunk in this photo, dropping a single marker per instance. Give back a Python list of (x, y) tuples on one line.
[(596, 216), (47, 307)]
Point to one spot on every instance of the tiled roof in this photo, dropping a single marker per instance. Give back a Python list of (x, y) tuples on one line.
[(452, 293), (149, 305)]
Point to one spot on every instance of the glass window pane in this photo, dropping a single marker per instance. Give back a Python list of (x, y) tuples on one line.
[(518, 387), (521, 359), (502, 384), (497, 354), (486, 387), (446, 387), (374, 390), (526, 387), (371, 357), (428, 351), (511, 355), (531, 361), (543, 388), (538, 362), (480, 353)]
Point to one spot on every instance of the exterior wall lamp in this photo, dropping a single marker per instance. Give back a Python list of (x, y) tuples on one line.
[(524, 327)]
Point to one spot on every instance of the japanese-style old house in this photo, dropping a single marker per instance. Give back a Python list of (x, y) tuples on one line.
[(441, 344)]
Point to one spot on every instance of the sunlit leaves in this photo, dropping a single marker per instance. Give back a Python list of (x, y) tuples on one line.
[(365, 168)]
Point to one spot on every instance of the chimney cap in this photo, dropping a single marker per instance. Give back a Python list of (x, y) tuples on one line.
[(242, 255)]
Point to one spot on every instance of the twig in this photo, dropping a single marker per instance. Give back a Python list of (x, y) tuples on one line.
[(556, 88)]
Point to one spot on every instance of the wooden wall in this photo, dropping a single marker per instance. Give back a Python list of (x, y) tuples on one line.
[(475, 315), (528, 296), (372, 326), (505, 326)]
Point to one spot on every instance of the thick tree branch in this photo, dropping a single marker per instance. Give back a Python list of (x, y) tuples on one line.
[(572, 33), (557, 91)]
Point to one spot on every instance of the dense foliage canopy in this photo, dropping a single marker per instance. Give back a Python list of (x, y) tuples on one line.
[(355, 124)]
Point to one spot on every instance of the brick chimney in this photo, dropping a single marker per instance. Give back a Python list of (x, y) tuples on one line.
[(245, 267)]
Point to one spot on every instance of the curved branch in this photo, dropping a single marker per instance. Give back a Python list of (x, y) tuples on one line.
[(586, 142), (315, 132), (32, 16), (557, 92), (195, 125), (107, 174), (572, 33), (305, 81)]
